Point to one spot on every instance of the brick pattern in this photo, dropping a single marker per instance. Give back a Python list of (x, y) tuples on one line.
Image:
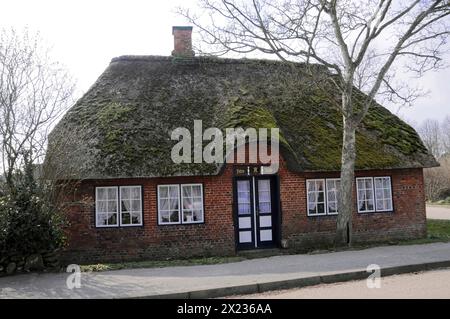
[(216, 236), (182, 43)]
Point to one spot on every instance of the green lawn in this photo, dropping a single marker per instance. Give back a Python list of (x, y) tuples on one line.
[(438, 231)]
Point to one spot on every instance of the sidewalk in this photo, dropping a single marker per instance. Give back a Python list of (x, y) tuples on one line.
[(438, 212), (248, 276)]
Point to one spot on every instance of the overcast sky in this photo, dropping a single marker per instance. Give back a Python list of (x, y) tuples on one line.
[(86, 34)]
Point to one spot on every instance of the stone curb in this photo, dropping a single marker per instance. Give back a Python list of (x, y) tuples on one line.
[(294, 283)]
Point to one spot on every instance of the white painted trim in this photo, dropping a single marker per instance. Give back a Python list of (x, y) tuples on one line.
[(326, 188), (373, 195), (159, 208), (307, 197), (181, 204), (390, 193), (96, 207), (120, 206)]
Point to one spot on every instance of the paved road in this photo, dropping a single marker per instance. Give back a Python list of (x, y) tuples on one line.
[(145, 282), (438, 212), (431, 284)]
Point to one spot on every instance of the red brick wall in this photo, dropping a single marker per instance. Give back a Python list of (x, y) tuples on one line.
[(216, 236), (408, 219)]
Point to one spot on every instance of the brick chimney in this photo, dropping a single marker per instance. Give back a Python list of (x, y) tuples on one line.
[(182, 40)]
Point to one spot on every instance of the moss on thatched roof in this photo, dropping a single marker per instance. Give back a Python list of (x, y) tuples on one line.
[(121, 127)]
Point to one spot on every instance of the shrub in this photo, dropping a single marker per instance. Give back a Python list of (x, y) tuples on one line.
[(30, 223)]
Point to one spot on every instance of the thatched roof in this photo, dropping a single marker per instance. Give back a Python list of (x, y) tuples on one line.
[(121, 127)]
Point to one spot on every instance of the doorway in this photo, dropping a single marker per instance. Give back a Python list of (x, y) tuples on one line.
[(256, 211)]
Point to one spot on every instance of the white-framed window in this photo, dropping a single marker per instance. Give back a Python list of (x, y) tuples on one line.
[(106, 208), (180, 204), (333, 185), (365, 194), (315, 194), (130, 206), (383, 194), (192, 203), (168, 204)]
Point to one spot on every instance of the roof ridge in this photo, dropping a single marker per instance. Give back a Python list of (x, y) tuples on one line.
[(200, 59)]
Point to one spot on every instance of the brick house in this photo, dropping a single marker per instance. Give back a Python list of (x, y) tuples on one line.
[(128, 200)]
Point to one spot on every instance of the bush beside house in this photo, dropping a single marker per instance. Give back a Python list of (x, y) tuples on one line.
[(30, 226)]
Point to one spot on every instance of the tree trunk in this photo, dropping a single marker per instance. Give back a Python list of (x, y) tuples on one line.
[(344, 218)]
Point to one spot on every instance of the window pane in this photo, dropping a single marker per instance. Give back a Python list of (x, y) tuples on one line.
[(136, 193), (112, 206), (243, 186), (136, 218), (126, 218), (174, 216), (101, 219), (197, 191), (165, 217), (163, 192), (264, 185), (198, 215), (332, 207), (102, 206), (187, 191), (163, 204), (125, 206), (380, 204), (125, 193), (244, 208), (388, 204), (187, 203), (112, 193), (188, 217), (173, 204), (112, 219), (321, 197), (102, 194), (264, 207), (387, 193), (320, 208), (244, 197), (383, 193), (136, 205), (319, 185), (173, 191), (197, 203), (192, 200), (311, 198)]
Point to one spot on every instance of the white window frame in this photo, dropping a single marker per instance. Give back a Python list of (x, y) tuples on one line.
[(375, 194), (326, 189), (324, 197), (120, 206), (96, 207), (181, 204), (160, 222)]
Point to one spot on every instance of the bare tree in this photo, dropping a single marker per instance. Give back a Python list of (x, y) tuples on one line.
[(437, 180), (445, 132), (430, 132), (34, 92), (365, 44)]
